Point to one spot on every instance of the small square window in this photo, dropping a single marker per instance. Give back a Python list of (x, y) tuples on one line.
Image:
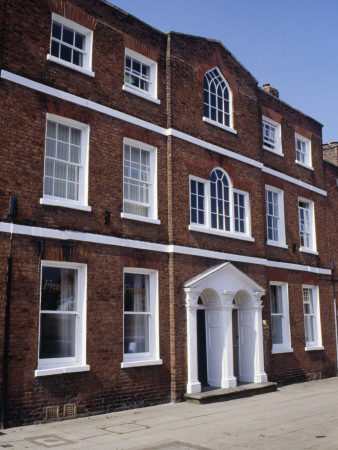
[(272, 136), (140, 76), (71, 45), (303, 151)]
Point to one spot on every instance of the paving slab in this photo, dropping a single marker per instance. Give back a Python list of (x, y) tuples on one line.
[(299, 416)]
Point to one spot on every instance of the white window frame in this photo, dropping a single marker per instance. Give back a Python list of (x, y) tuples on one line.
[(206, 227), (285, 346), (82, 202), (307, 151), (316, 344), (216, 123), (152, 218), (153, 356), (150, 95), (277, 149), (280, 218), (53, 366), (86, 69), (311, 248)]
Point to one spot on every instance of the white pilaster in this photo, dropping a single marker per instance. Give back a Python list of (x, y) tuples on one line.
[(260, 375), (191, 299), (228, 378)]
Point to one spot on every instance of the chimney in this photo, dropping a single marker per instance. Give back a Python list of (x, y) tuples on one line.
[(270, 90)]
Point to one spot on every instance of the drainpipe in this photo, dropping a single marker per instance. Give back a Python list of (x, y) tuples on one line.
[(6, 335), (335, 326)]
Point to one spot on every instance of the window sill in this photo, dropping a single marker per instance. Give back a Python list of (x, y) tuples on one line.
[(275, 152), (306, 166), (141, 94), (243, 237), (308, 250), (60, 370), (219, 125), (314, 347), (146, 362), (276, 244), (64, 204), (140, 218), (70, 65), (275, 351)]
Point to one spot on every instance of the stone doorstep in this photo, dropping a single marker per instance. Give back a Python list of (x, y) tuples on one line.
[(212, 395)]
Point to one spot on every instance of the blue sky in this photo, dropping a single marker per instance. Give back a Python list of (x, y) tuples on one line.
[(291, 44)]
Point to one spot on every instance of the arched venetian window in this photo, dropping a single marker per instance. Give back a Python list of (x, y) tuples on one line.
[(217, 98), (220, 200)]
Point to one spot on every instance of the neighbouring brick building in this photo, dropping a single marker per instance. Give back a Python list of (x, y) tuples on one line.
[(164, 221)]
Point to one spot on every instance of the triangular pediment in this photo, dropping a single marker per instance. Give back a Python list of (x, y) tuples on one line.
[(224, 276)]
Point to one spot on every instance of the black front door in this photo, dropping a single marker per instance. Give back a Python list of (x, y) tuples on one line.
[(202, 348)]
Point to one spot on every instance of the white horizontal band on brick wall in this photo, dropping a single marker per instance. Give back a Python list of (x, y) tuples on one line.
[(49, 233), (149, 126)]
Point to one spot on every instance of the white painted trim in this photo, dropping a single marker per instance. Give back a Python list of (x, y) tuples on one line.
[(204, 229), (59, 370), (294, 181), (49, 233), (281, 350), (70, 65), (219, 125), (141, 94), (272, 151), (306, 250), (304, 165), (140, 218), (64, 204), (149, 126), (318, 347), (275, 244), (146, 362)]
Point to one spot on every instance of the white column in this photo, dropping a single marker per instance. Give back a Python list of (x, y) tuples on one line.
[(260, 375), (228, 378), (191, 299)]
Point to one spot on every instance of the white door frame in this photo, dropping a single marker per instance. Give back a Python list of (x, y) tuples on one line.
[(211, 286)]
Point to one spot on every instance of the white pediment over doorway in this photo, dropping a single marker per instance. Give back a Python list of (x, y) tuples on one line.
[(224, 280)]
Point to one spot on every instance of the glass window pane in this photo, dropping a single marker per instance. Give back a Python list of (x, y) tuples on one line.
[(58, 289), (57, 336), (79, 41), (56, 30), (66, 53), (55, 49), (136, 292), (68, 36), (136, 333), (277, 331), (51, 129)]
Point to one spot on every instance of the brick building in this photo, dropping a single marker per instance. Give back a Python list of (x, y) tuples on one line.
[(163, 219)]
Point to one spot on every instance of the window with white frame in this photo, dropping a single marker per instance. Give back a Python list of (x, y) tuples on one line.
[(139, 181), (280, 324), (306, 225), (140, 75), (217, 208), (303, 150), (217, 100), (62, 337), (141, 325), (312, 325), (274, 206), (71, 45), (66, 163), (271, 135)]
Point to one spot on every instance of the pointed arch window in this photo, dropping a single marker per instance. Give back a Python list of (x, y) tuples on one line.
[(217, 99), (217, 208)]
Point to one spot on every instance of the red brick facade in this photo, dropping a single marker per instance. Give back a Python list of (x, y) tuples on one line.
[(186, 146)]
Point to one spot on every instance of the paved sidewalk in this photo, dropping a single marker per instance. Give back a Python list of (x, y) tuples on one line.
[(299, 416)]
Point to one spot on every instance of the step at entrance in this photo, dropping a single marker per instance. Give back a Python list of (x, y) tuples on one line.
[(212, 395)]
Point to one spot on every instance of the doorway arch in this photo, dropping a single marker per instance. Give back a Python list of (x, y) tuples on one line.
[(219, 292)]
